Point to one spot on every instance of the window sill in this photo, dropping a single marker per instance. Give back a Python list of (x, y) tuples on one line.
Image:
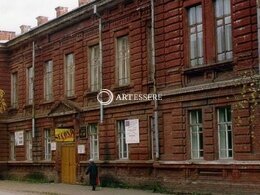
[(218, 66), (91, 93), (71, 97), (46, 161), (27, 106), (148, 82), (123, 87), (12, 109), (47, 102)]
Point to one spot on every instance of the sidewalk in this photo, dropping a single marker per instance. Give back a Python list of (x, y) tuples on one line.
[(22, 188)]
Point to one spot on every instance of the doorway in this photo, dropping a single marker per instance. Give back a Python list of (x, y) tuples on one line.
[(68, 164)]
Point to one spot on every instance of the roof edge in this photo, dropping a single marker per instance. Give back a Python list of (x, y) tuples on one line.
[(58, 23)]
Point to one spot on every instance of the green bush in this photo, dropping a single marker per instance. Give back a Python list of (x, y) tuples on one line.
[(36, 177), (110, 181)]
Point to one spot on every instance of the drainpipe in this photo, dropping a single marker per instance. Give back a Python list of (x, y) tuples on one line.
[(33, 103), (157, 155), (101, 108), (258, 31)]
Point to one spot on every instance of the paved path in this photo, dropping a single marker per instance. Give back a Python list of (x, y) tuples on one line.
[(22, 188)]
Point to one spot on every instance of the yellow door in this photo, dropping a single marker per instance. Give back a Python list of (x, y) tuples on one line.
[(68, 164)]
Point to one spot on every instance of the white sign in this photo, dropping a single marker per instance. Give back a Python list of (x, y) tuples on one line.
[(19, 139), (81, 149), (53, 146), (132, 131)]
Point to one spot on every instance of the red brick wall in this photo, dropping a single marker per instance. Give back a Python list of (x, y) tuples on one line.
[(4, 144), (184, 88), (4, 74)]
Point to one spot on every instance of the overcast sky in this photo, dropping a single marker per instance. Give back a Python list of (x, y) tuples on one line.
[(14, 13)]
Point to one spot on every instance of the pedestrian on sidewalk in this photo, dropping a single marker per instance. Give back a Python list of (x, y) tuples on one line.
[(92, 170)]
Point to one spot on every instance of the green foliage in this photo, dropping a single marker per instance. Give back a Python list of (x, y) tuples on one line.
[(249, 95), (155, 187), (36, 177), (2, 101), (110, 181)]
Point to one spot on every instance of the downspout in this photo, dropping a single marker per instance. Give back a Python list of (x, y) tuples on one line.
[(33, 103), (156, 130), (101, 108), (258, 32), (101, 67)]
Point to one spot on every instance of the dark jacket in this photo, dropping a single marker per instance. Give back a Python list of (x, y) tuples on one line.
[(93, 173)]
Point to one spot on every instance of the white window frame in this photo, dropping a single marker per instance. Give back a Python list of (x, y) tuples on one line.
[(123, 61), (14, 90), (223, 30), (93, 141), (225, 127), (122, 145), (12, 147), (47, 144), (195, 24), (30, 78), (196, 131), (69, 75), (28, 145), (94, 67), (48, 80)]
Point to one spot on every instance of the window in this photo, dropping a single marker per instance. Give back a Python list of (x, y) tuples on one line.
[(196, 35), (47, 144), (94, 147), (223, 29), (123, 147), (95, 79), (225, 133), (196, 132), (69, 75), (48, 80), (12, 147), (30, 85), (122, 61), (14, 90), (28, 142)]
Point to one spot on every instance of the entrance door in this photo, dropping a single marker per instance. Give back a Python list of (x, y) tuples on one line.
[(68, 164)]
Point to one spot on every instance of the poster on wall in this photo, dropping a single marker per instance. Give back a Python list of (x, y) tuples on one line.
[(53, 146), (81, 149), (19, 139), (132, 131), (64, 135)]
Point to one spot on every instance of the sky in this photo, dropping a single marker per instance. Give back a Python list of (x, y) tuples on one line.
[(14, 13)]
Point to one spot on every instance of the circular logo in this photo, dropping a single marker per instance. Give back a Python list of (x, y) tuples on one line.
[(108, 93)]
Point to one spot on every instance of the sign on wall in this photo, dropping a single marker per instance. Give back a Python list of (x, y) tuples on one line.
[(19, 138), (83, 132), (81, 149), (53, 146), (64, 135), (132, 131)]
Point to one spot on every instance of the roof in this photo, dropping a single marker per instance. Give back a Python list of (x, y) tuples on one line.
[(63, 21)]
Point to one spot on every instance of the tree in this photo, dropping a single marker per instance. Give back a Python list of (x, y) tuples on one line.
[(2, 101), (249, 95)]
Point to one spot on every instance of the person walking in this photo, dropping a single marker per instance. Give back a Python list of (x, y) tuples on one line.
[(92, 170)]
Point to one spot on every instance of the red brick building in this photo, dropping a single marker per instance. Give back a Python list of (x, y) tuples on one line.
[(201, 55)]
